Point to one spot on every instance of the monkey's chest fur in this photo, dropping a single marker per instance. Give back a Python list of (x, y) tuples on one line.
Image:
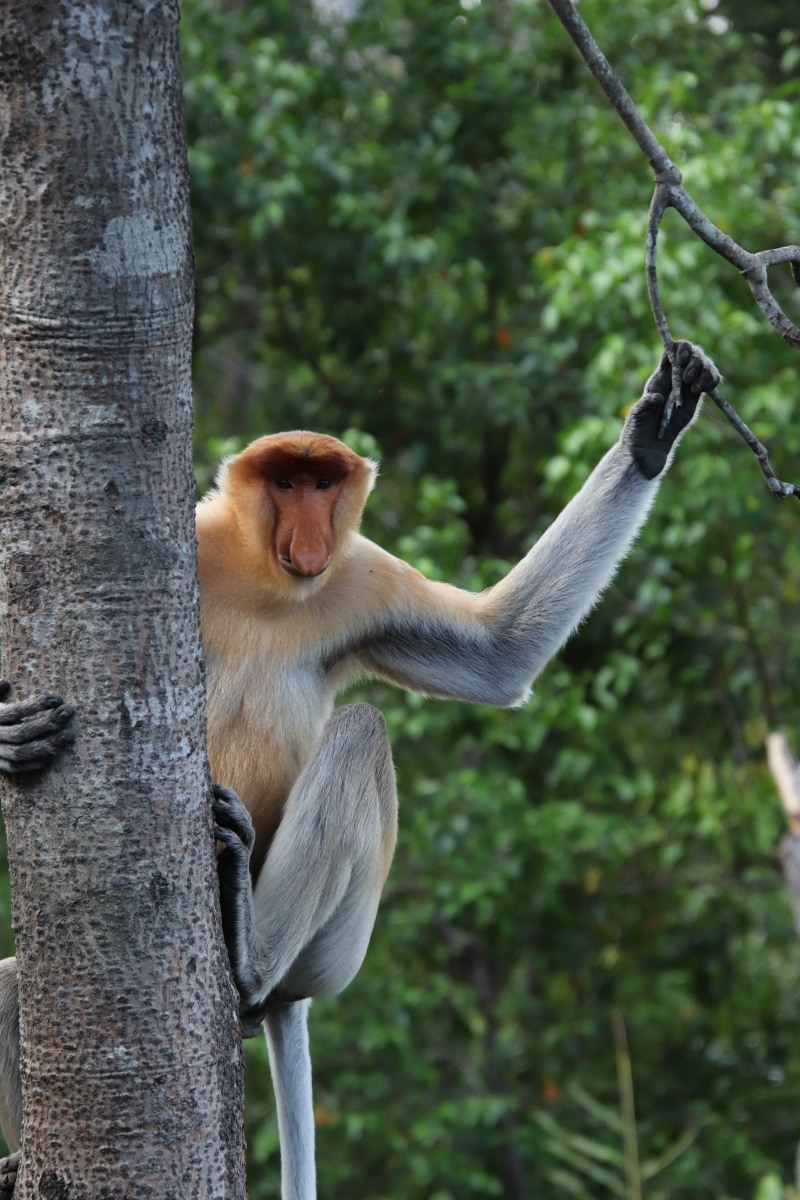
[(269, 698), (265, 719)]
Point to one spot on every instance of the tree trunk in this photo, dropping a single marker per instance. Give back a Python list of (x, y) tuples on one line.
[(130, 1050)]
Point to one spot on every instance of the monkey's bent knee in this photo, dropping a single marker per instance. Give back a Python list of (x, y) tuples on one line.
[(358, 721)]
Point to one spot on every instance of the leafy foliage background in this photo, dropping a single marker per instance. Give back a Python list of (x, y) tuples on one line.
[(422, 228)]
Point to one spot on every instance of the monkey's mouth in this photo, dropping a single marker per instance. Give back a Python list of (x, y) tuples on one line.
[(289, 568)]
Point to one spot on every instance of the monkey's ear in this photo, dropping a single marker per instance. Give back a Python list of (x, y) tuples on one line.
[(223, 470), (371, 472)]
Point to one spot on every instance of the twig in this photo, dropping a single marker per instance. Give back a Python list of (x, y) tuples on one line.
[(658, 207), (759, 449), (670, 193)]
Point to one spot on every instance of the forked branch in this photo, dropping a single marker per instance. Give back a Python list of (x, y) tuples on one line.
[(670, 193)]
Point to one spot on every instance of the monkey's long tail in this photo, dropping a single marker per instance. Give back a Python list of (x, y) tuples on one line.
[(290, 1061)]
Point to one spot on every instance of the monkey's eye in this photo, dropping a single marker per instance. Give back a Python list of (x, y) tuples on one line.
[(323, 485), (285, 485)]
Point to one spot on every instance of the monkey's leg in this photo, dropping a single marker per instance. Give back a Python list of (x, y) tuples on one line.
[(33, 732), (10, 1086), (306, 928)]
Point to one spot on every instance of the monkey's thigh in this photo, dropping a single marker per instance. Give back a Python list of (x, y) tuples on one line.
[(333, 957), (329, 860)]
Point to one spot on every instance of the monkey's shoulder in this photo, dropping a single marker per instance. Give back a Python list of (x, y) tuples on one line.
[(372, 590), (371, 576)]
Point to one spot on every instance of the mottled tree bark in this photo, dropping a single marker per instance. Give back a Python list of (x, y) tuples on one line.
[(131, 1057)]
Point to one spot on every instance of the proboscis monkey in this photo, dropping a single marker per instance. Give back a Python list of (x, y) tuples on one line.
[(295, 607)]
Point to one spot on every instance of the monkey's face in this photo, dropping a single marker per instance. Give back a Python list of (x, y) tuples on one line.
[(304, 503)]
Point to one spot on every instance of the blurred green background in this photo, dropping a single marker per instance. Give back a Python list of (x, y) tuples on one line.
[(419, 225)]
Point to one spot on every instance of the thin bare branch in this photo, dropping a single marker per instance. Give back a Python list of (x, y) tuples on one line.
[(663, 168), (670, 193), (759, 449), (752, 266), (658, 206)]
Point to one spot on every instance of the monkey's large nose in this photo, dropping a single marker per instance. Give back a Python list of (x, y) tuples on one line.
[(306, 561)]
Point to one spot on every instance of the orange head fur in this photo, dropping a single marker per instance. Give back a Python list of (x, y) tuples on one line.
[(298, 499)]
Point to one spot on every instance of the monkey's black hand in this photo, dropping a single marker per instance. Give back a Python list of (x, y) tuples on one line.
[(234, 830), (8, 1175), (33, 732), (650, 445)]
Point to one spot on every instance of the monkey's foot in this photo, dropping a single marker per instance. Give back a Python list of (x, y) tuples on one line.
[(8, 1175), (250, 1023), (233, 825), (33, 732), (234, 830)]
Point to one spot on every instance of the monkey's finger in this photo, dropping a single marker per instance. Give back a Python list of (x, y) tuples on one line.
[(33, 756), (8, 1175), (226, 803), (706, 381), (236, 853), (224, 810), (19, 710), (222, 793), (229, 838), (697, 369), (653, 413), (46, 748), (34, 728)]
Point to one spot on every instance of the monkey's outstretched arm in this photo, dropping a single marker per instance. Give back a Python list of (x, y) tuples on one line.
[(490, 647)]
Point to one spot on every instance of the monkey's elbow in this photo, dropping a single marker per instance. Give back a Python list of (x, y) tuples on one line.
[(506, 694), (520, 697)]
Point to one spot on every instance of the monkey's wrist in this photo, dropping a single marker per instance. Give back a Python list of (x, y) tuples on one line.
[(650, 461)]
